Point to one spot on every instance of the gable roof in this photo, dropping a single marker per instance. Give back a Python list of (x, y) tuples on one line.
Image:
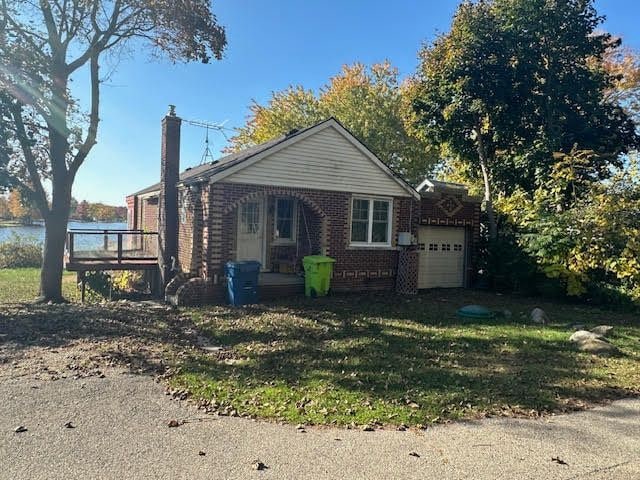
[(234, 162)]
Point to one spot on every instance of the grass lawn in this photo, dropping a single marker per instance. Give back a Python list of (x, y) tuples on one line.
[(383, 359), (21, 285)]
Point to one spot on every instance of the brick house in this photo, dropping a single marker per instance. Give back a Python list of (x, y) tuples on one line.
[(313, 191)]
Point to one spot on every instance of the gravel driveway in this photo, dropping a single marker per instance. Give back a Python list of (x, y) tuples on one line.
[(121, 431)]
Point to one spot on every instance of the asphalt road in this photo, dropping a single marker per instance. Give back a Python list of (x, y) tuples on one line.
[(121, 432)]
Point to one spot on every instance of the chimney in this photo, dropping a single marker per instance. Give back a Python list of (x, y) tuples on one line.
[(168, 201)]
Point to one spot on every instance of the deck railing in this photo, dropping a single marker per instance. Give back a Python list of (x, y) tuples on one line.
[(111, 245)]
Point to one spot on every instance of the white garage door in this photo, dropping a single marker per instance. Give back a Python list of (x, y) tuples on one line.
[(442, 251)]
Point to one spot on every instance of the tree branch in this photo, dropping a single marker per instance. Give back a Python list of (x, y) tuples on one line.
[(39, 195), (101, 37), (50, 23), (94, 118)]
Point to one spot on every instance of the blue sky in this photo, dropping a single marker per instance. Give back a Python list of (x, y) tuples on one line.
[(272, 44)]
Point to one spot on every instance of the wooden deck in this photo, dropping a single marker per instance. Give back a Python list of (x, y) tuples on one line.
[(99, 264), (94, 250), (89, 250)]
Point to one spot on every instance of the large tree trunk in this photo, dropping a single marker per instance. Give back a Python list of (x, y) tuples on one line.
[(56, 219), (55, 235), (488, 191), (488, 202)]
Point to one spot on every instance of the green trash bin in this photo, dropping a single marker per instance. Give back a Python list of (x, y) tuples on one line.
[(317, 275)]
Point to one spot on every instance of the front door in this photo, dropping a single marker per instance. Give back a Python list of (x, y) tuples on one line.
[(250, 240)]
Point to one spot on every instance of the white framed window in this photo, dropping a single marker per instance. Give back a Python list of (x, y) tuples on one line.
[(285, 220), (250, 218), (371, 221)]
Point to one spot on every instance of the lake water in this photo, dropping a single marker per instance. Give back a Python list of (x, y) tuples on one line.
[(36, 231)]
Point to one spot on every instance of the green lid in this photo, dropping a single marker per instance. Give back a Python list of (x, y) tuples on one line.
[(318, 259), (475, 311)]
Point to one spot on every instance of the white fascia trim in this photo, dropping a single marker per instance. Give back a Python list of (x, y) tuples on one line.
[(154, 193), (425, 183)]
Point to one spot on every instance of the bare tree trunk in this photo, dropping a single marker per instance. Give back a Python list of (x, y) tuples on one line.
[(55, 236), (488, 200), (57, 217), (488, 191)]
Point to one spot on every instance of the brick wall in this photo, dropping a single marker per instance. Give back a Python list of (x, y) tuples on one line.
[(132, 221), (192, 228), (148, 220), (328, 215), (148, 214), (208, 224)]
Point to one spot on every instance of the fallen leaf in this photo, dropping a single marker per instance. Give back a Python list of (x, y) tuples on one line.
[(414, 454), (201, 453), (559, 461), (20, 429), (69, 425), (173, 423), (258, 465)]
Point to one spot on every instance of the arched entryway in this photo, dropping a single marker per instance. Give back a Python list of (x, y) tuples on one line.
[(277, 228)]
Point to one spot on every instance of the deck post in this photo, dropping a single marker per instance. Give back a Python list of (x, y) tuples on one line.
[(70, 246), (119, 247), (83, 284)]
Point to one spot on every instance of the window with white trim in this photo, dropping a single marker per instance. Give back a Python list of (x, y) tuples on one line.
[(285, 220), (370, 222)]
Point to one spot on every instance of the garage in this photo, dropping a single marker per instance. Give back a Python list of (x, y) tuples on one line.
[(442, 257)]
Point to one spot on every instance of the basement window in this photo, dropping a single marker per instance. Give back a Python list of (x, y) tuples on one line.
[(284, 229), (371, 222)]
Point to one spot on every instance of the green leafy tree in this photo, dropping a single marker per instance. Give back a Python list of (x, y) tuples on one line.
[(515, 81), (370, 102), (590, 240), (44, 137)]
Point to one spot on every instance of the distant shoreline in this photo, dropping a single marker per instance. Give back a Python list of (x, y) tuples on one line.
[(16, 223), (40, 223), (36, 231)]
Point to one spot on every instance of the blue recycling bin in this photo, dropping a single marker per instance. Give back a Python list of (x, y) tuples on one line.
[(242, 282)]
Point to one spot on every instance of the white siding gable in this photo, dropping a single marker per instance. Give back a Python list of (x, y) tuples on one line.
[(324, 160)]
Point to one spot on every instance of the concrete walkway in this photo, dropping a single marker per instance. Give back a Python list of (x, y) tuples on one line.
[(121, 432)]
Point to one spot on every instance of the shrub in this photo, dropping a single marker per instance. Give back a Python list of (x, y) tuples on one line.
[(507, 268), (20, 252), (584, 242), (98, 285), (127, 281)]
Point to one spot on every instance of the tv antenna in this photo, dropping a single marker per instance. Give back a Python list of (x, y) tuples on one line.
[(207, 156)]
